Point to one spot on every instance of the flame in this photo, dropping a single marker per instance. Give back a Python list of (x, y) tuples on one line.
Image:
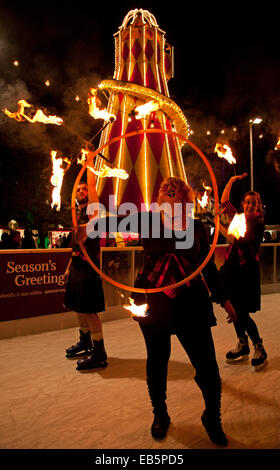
[(208, 188), (82, 160), (94, 107), (39, 116), (237, 227), (136, 310), (277, 146), (224, 151), (147, 108), (56, 180), (110, 172), (204, 200)]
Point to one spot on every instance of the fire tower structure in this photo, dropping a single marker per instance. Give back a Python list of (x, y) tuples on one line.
[(143, 66)]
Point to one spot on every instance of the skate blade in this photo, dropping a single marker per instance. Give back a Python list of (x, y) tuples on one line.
[(78, 355), (261, 366), (238, 360), (102, 365)]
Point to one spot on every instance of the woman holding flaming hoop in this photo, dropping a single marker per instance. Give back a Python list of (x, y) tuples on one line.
[(185, 311), (241, 275)]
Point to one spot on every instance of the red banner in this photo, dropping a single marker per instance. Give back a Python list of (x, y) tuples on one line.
[(32, 282)]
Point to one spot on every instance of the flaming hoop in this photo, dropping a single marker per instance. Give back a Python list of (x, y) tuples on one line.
[(216, 219)]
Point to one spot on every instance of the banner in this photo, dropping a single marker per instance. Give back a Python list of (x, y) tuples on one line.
[(32, 282)]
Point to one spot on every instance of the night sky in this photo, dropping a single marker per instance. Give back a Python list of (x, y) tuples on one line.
[(227, 70)]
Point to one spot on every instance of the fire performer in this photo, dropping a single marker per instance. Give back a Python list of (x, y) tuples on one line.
[(186, 311), (241, 275), (82, 280)]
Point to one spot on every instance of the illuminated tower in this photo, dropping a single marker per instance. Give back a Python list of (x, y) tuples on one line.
[(143, 66)]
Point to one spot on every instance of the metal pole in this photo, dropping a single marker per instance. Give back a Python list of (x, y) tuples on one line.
[(251, 157)]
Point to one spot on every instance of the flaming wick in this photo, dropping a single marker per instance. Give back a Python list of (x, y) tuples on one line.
[(237, 227), (39, 116), (224, 151), (94, 107), (147, 108), (136, 310)]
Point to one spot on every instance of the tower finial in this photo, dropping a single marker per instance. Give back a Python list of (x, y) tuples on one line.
[(146, 17)]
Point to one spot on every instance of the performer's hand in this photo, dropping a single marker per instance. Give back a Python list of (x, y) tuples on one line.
[(230, 311), (80, 233), (239, 177)]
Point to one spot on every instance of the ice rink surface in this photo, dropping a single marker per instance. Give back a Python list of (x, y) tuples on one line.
[(47, 404)]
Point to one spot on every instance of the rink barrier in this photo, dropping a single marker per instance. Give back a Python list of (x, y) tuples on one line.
[(32, 289)]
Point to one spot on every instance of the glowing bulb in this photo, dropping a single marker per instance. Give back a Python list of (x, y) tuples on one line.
[(77, 98), (47, 83), (16, 63)]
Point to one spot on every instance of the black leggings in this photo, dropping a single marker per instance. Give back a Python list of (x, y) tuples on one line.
[(245, 324), (196, 339)]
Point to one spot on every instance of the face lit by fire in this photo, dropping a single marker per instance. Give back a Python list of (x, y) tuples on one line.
[(171, 190), (82, 194), (250, 206)]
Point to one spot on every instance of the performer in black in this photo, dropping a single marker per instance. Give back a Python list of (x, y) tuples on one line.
[(84, 295), (186, 311), (241, 275)]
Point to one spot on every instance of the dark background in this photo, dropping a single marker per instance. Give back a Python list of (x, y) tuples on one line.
[(226, 72)]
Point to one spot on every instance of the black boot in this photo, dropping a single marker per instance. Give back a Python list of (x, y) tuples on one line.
[(160, 425), (211, 417), (157, 392), (83, 347), (213, 427), (97, 359)]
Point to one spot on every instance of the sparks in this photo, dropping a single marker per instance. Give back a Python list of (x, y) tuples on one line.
[(237, 227), (39, 116), (224, 151)]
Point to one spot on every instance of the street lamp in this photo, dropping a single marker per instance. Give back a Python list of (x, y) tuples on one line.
[(251, 122)]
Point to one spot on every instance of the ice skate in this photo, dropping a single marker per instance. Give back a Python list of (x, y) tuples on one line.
[(259, 359), (82, 348), (98, 358), (240, 353)]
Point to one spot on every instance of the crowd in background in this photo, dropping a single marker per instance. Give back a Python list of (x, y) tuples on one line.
[(12, 239)]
